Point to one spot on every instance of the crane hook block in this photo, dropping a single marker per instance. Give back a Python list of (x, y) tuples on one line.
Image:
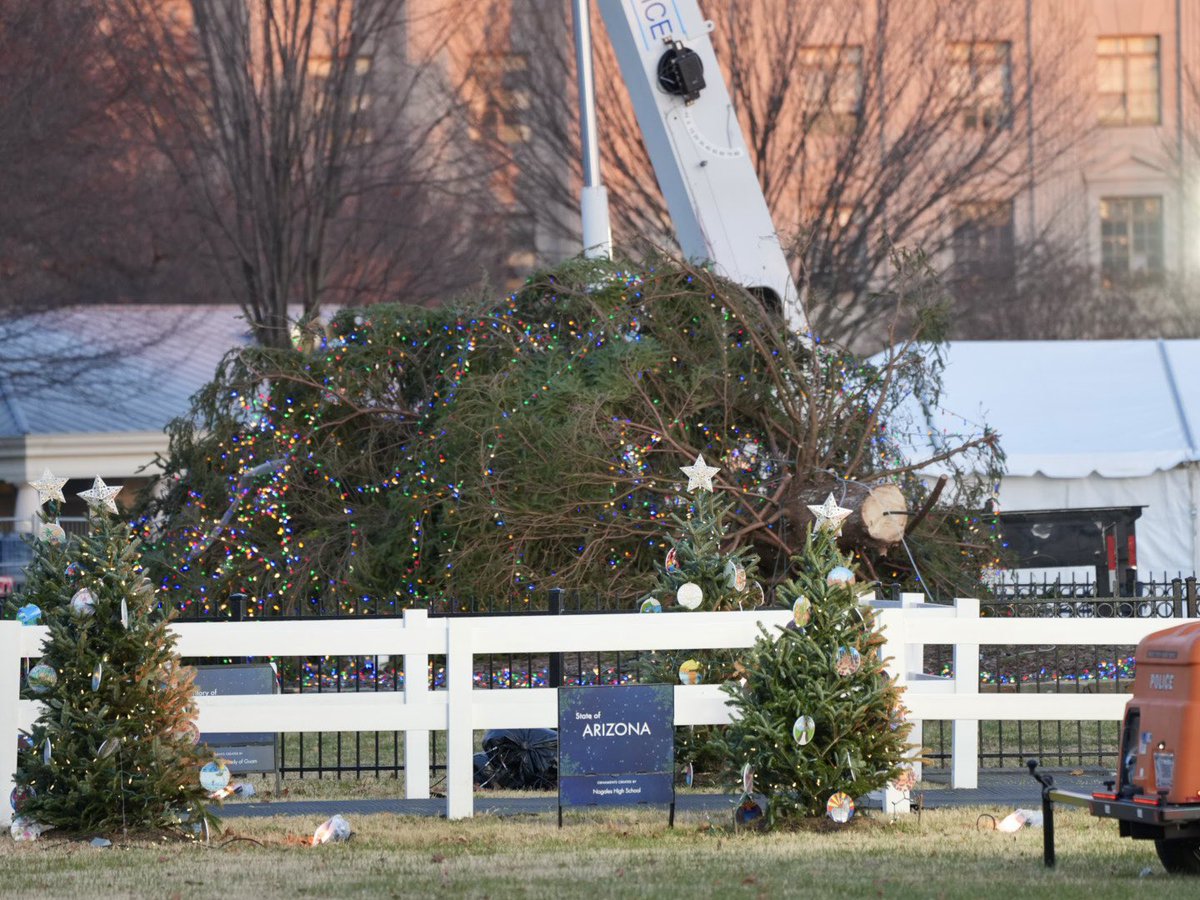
[(681, 72)]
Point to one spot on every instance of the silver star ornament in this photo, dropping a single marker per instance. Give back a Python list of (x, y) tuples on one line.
[(830, 515), (700, 475), (49, 488), (100, 495)]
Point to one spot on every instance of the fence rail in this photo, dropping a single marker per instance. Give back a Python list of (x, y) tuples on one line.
[(911, 625)]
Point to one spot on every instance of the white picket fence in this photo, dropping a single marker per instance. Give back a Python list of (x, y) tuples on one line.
[(460, 708)]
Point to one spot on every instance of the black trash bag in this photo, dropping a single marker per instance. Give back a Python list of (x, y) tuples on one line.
[(522, 758)]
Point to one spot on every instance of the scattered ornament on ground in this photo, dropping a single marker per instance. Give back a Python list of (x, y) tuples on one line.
[(1018, 819), (331, 831), (100, 843), (751, 814), (23, 829), (840, 807)]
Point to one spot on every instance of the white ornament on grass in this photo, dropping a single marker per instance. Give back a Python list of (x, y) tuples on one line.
[(49, 488), (100, 495), (700, 474), (830, 515)]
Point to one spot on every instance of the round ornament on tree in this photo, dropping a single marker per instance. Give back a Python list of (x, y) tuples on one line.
[(747, 779), (108, 748), (689, 672), (803, 729), (848, 661), (97, 676), (73, 570), (83, 603), (29, 614), (755, 594), (41, 679), (52, 533), (214, 776), (735, 576), (689, 595), (650, 605), (671, 563), (840, 808), (19, 796), (801, 611), (838, 576), (189, 732)]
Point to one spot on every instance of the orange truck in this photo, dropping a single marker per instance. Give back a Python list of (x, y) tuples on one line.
[(1156, 794)]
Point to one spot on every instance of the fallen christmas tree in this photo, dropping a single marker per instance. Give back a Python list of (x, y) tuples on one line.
[(403, 455)]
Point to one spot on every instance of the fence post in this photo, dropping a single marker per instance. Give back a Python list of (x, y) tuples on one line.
[(556, 608), (1177, 608), (1190, 585), (416, 693), (911, 661), (895, 636), (964, 753), (10, 696), (460, 724)]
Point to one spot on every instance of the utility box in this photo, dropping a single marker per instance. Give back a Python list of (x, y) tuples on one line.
[(1160, 744)]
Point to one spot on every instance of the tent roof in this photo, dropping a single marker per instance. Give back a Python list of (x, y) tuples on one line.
[(110, 368), (1066, 409)]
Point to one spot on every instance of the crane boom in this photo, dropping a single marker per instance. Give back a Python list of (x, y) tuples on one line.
[(696, 145)]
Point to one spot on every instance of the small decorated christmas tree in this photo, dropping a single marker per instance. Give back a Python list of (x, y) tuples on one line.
[(114, 746), (702, 572), (698, 572), (818, 721)]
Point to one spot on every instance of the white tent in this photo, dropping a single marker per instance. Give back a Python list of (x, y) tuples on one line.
[(1087, 424)]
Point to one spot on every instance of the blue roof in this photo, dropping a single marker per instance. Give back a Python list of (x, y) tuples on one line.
[(108, 368)]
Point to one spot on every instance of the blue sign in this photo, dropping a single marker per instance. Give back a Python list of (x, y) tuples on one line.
[(616, 745)]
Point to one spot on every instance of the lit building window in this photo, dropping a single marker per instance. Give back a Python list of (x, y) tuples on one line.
[(983, 244), (1129, 81), (833, 85), (982, 81), (1131, 240)]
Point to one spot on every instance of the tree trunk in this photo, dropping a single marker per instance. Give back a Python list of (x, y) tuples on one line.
[(877, 519)]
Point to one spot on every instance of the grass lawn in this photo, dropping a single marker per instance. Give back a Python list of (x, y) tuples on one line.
[(611, 854)]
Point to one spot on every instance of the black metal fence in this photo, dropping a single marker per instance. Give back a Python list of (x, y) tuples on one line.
[(1002, 669)]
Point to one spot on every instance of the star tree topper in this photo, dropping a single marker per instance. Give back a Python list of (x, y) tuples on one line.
[(101, 495), (830, 515), (49, 488), (700, 475)]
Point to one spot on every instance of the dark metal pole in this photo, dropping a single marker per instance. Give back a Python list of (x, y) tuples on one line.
[(1047, 783), (556, 609)]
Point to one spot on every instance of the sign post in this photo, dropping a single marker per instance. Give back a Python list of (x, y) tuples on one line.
[(616, 746)]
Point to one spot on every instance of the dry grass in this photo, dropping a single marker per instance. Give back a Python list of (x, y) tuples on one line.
[(616, 854)]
